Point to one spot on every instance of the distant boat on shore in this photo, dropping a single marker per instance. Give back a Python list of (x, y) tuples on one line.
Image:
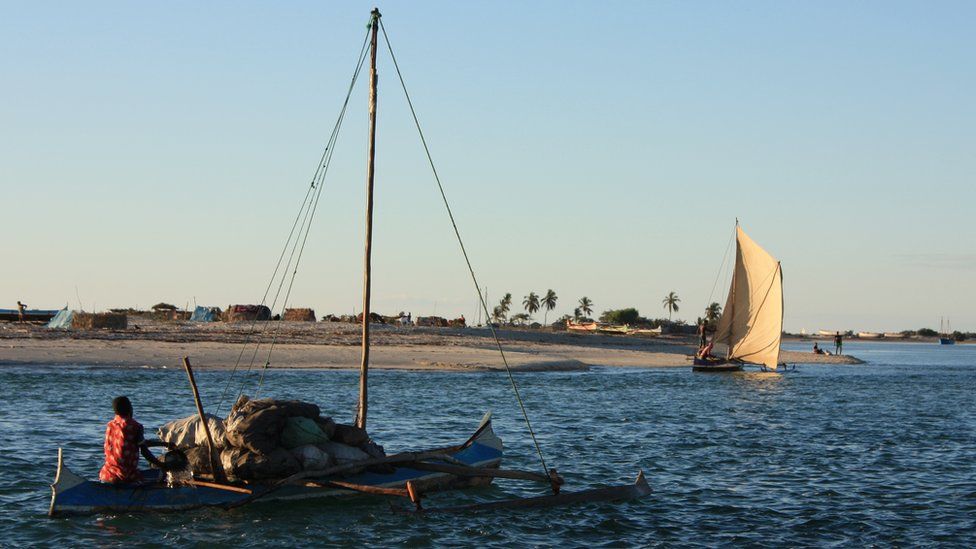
[(30, 315), (894, 335), (581, 326), (752, 323), (869, 335), (945, 332)]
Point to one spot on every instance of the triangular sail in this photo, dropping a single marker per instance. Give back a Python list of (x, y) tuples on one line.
[(752, 321)]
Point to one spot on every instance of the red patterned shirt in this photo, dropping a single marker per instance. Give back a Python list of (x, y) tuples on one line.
[(123, 435)]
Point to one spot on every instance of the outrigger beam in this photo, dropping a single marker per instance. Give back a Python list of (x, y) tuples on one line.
[(638, 489)]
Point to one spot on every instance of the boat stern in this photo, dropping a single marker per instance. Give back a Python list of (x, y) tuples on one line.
[(64, 480)]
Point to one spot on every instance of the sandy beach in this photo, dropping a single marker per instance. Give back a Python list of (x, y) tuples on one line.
[(218, 345)]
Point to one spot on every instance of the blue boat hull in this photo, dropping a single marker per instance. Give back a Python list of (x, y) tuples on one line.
[(946, 341), (75, 495)]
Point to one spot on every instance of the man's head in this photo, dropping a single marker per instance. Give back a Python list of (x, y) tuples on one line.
[(122, 406)]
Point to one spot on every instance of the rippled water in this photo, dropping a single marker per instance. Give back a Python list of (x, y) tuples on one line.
[(882, 453)]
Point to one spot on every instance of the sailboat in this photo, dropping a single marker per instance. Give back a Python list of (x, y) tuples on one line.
[(945, 332), (475, 461), (751, 324)]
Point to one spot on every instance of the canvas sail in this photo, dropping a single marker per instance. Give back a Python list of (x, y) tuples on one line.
[(752, 321)]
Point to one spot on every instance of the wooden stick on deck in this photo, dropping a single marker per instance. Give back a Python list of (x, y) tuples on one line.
[(215, 465)]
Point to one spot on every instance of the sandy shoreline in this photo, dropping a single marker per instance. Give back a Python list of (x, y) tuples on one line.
[(336, 346)]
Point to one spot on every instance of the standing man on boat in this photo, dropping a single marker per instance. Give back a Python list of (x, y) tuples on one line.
[(838, 344), (21, 308), (701, 333), (124, 441)]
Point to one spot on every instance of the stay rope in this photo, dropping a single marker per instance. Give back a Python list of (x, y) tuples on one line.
[(464, 252), (309, 204), (310, 215)]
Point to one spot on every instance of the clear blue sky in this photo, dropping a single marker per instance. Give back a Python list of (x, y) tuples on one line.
[(159, 151)]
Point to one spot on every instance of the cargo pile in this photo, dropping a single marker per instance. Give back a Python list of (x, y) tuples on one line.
[(266, 439)]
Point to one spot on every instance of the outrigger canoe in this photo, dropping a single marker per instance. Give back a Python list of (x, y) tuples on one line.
[(74, 495)]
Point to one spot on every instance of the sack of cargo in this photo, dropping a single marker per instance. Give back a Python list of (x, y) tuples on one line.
[(245, 406), (257, 424), (301, 431), (246, 465), (342, 453), (189, 432), (350, 436), (327, 425), (198, 458), (255, 428), (312, 457)]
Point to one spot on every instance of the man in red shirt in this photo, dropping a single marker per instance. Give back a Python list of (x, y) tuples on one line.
[(124, 441)]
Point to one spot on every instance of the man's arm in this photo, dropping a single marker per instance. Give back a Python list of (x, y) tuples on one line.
[(146, 453)]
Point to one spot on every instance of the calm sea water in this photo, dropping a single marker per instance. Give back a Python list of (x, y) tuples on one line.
[(883, 453)]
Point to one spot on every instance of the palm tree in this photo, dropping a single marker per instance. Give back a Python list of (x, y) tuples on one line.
[(497, 314), (671, 303), (576, 313), (504, 306), (531, 303), (586, 306), (712, 312), (549, 303)]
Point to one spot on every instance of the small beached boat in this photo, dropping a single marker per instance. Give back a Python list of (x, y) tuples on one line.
[(30, 315), (611, 329), (869, 335), (589, 327), (751, 325), (894, 335)]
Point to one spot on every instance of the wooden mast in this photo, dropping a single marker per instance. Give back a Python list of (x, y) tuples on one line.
[(361, 408), (735, 264)]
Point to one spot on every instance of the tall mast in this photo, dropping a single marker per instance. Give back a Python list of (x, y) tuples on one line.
[(735, 265), (364, 366)]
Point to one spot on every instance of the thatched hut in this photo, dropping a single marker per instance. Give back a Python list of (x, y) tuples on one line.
[(299, 315)]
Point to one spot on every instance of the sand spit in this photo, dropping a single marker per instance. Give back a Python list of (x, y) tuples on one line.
[(336, 346)]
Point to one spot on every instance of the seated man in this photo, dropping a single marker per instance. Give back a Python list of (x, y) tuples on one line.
[(123, 439), (705, 352), (816, 349)]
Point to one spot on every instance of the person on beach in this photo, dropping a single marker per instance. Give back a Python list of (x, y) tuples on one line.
[(838, 344), (124, 442), (817, 350), (20, 311)]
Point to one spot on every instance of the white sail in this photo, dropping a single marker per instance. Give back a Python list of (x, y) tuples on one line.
[(752, 321)]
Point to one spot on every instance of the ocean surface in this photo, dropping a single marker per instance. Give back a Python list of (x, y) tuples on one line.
[(877, 454)]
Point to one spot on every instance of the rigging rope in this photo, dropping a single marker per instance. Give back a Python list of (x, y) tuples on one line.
[(309, 202), (721, 269), (310, 215), (464, 252)]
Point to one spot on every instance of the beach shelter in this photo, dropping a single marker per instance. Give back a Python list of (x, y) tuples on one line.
[(204, 314), (62, 320)]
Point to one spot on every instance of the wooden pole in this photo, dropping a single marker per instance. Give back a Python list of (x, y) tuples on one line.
[(215, 465), (468, 471), (361, 408)]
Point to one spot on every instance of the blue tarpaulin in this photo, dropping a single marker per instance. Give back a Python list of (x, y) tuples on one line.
[(204, 314), (62, 320)]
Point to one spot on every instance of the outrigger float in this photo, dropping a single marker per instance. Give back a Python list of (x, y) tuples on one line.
[(475, 462)]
